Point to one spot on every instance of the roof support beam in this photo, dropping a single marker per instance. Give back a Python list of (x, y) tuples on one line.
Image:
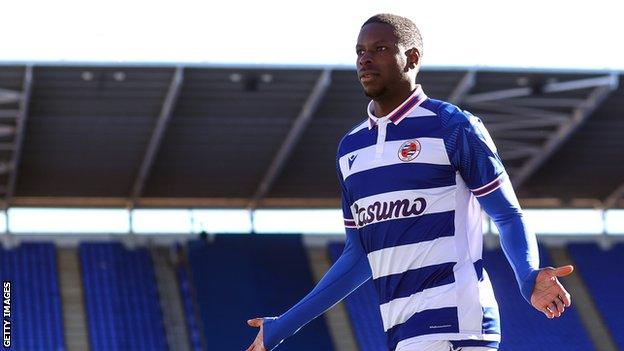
[(554, 87), (613, 199), (296, 131), (462, 88), (20, 128), (10, 96), (157, 135), (580, 115)]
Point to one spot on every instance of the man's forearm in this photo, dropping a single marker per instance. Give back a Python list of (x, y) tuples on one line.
[(349, 272), (519, 244)]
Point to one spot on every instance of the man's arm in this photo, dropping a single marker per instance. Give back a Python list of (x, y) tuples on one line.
[(473, 153), (539, 287), (349, 272)]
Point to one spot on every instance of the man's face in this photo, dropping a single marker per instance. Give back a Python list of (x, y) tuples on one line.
[(381, 61)]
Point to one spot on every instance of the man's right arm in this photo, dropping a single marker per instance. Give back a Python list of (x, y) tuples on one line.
[(349, 272)]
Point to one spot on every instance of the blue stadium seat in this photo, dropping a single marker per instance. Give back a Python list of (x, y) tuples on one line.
[(35, 298), (121, 296), (600, 269), (237, 277), (523, 327)]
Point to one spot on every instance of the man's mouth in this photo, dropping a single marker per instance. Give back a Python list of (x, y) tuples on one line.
[(366, 77)]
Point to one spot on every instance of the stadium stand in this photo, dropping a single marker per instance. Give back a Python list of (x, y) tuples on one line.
[(363, 311), (524, 328), (238, 277), (36, 318), (121, 298), (599, 269)]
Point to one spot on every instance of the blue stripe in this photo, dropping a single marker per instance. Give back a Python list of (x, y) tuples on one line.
[(442, 320), (491, 320), (478, 266), (406, 231), (402, 176), (405, 284), (409, 128), (474, 343), (417, 127)]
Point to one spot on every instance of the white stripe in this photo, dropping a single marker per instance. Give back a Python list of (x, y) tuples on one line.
[(403, 204), (432, 152), (420, 111), (399, 259), (488, 184), (400, 310), (403, 345)]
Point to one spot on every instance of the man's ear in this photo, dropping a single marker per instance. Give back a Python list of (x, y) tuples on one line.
[(413, 57)]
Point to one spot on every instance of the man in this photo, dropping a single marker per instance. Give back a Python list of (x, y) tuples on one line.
[(414, 178)]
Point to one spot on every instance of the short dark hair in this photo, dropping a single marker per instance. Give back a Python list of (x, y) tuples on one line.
[(405, 30)]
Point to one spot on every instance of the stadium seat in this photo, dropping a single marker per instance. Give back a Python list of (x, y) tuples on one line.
[(37, 321), (121, 297), (238, 277), (600, 269)]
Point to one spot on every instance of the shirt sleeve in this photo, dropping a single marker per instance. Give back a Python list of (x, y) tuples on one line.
[(349, 272), (474, 155)]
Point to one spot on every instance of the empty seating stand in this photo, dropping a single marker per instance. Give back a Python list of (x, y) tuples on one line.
[(121, 297), (36, 319), (238, 277), (523, 327), (601, 271), (363, 309)]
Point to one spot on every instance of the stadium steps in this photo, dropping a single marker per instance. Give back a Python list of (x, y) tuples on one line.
[(72, 299), (582, 300), (337, 318), (170, 301)]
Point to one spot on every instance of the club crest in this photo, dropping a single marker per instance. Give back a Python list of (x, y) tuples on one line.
[(409, 150)]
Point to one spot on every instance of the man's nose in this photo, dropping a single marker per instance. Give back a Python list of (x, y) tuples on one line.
[(366, 58)]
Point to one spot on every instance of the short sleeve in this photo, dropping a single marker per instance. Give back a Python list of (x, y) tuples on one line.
[(347, 215), (475, 157)]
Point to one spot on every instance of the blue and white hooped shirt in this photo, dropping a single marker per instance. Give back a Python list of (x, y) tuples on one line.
[(410, 182)]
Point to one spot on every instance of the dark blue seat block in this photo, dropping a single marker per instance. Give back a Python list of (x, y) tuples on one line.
[(601, 271), (237, 277), (121, 295), (36, 317)]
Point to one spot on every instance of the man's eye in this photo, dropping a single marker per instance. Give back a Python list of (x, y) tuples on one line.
[(359, 52), (382, 48)]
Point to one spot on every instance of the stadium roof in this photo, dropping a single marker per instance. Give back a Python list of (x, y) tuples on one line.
[(254, 136)]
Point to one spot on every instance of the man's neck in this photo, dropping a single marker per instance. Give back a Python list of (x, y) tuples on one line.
[(383, 105)]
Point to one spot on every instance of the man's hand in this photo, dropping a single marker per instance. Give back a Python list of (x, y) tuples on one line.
[(257, 344), (549, 296)]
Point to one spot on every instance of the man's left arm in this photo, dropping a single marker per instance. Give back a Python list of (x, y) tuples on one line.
[(474, 154), (540, 287)]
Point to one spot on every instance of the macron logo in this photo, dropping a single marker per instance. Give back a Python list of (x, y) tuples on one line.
[(351, 160)]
